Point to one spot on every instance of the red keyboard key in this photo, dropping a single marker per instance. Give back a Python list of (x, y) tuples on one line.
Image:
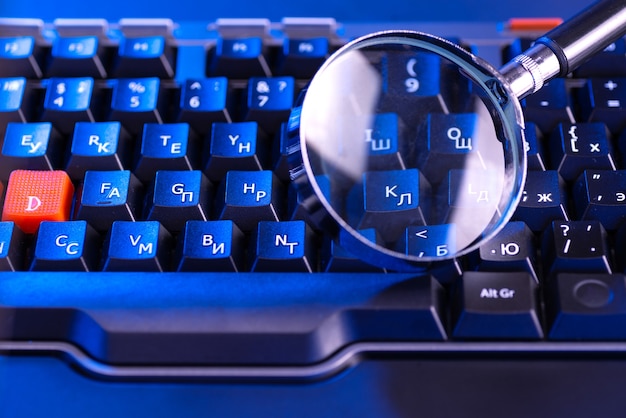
[(35, 196)]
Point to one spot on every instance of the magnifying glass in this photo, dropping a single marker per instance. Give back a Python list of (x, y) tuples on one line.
[(410, 150)]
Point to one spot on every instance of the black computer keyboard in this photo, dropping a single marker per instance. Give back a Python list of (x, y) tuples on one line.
[(150, 232)]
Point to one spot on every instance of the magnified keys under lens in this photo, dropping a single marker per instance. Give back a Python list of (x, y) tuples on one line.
[(411, 150)]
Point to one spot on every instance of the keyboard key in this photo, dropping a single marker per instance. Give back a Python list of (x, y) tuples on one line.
[(166, 147), (12, 247), (238, 58), (211, 246), (604, 100), (601, 195), (610, 62), (430, 240), (66, 246), (269, 101), (534, 148), (234, 146), (282, 246), (204, 102), (497, 306), (549, 106), (76, 57), (149, 56), (36, 196), (20, 57), (388, 201), (387, 148), (543, 200), (302, 205), (301, 58), (280, 154), (98, 146), (137, 101), (137, 246), (248, 197), (587, 307), (178, 196), (447, 142), (32, 146), (14, 101), (107, 196), (579, 147), (575, 246), (335, 258), (512, 249), (68, 101), (413, 86), (469, 198)]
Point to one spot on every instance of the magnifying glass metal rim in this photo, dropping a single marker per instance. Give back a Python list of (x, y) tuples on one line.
[(503, 100)]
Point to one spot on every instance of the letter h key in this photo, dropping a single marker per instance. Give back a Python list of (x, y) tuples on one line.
[(248, 197)]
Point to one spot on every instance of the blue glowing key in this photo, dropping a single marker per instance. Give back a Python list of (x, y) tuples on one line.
[(233, 146), (98, 146), (388, 201), (11, 247), (384, 145), (431, 240), (13, 106), (543, 200), (300, 205), (76, 56), (534, 147), (145, 56), (203, 102), (301, 58), (16, 48), (20, 56), (449, 141), (137, 246), (269, 101), (600, 195), (66, 246), (241, 48), (280, 153), (169, 146), (75, 48), (238, 58), (107, 196), (178, 196), (248, 197), (135, 101), (31, 146), (211, 245), (146, 47), (67, 101), (578, 147), (335, 258), (412, 85), (282, 246)]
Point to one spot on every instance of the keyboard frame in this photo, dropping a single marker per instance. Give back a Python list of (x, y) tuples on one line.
[(192, 39)]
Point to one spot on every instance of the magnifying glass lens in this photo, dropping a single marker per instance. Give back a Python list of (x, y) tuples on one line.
[(413, 147)]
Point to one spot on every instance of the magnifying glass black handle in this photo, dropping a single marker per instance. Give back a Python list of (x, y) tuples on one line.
[(586, 33), (567, 46)]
